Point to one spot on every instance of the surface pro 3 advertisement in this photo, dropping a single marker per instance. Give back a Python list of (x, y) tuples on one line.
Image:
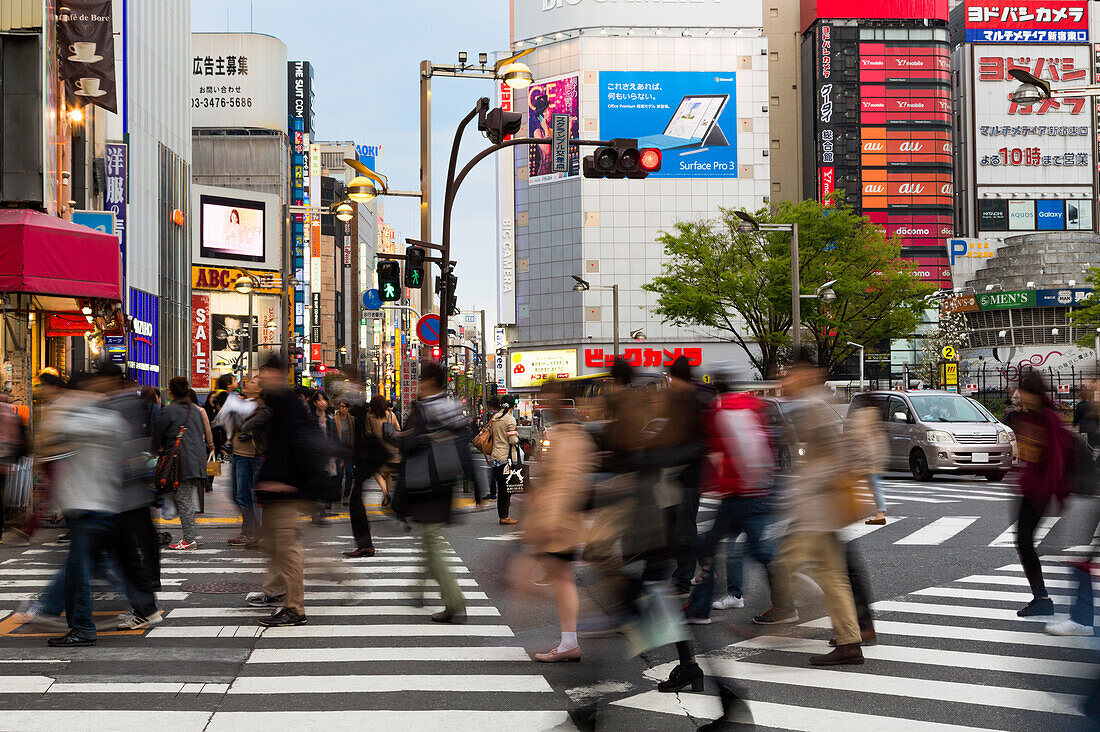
[(691, 116)]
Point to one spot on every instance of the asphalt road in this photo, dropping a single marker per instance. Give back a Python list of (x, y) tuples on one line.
[(952, 654)]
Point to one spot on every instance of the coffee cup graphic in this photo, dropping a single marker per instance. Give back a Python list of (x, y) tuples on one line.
[(88, 86), (83, 51)]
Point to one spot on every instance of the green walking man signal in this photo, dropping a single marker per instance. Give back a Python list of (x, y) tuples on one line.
[(389, 280), (414, 266)]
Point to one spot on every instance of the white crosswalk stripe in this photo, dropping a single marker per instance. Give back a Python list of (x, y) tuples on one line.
[(1008, 536), (938, 531), (366, 644), (1009, 666)]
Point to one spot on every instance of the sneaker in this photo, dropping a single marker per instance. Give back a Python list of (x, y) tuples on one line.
[(182, 545), (1068, 627), (697, 578), (33, 615), (729, 602), (259, 599), (697, 620), (282, 619), (775, 616), (134, 621), (1038, 606), (239, 540)]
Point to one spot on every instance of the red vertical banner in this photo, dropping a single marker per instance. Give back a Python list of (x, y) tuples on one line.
[(200, 341), (826, 183)]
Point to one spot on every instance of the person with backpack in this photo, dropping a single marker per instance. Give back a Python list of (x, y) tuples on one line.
[(181, 436), (382, 423), (1046, 456), (292, 477), (505, 434), (740, 469)]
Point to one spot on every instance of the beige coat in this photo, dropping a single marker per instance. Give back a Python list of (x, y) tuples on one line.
[(552, 515), (868, 440), (827, 460), (505, 434)]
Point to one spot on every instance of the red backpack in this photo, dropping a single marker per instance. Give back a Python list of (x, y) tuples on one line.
[(742, 458)]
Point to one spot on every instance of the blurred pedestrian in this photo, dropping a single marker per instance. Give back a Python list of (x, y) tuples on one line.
[(677, 451), (182, 420), (1046, 451), (13, 447), (382, 423), (133, 540), (823, 473), (244, 462), (435, 460), (89, 492), (319, 410), (740, 469), (505, 433), (552, 522), (290, 476), (50, 387), (374, 457), (225, 385)]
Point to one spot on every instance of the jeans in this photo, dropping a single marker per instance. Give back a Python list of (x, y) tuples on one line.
[(52, 599), (735, 568), (133, 542), (345, 472), (436, 567), (861, 591), (90, 533), (1026, 523), (244, 471), (736, 516), (185, 497), (1083, 611), (687, 527), (876, 488)]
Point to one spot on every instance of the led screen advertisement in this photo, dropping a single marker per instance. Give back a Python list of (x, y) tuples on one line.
[(1036, 144), (691, 116), (1042, 215), (231, 228), (533, 368), (544, 100)]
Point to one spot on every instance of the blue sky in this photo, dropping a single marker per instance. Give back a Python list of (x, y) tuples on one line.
[(366, 57)]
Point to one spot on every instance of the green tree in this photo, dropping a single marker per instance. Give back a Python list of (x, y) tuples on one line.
[(950, 331), (739, 283), (1087, 316)]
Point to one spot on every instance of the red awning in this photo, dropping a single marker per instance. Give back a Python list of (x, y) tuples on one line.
[(45, 255)]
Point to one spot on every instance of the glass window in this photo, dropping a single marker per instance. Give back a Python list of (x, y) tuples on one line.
[(896, 406), (944, 408)]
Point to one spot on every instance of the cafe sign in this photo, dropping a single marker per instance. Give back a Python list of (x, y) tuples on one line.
[(224, 279)]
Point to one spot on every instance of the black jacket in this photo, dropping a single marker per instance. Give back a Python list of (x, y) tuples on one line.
[(294, 447)]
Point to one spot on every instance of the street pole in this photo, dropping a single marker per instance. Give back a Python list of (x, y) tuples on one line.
[(426, 184), (615, 316), (484, 368), (251, 345), (796, 289)]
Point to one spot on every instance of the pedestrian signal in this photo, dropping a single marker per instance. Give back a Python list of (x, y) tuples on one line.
[(389, 280), (414, 267)]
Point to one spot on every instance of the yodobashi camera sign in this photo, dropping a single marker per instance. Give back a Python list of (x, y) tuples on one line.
[(538, 17)]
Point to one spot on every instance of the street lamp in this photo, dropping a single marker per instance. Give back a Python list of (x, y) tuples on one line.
[(861, 349), (582, 285), (246, 284), (345, 212)]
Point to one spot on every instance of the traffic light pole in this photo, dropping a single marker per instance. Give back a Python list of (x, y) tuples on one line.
[(453, 183)]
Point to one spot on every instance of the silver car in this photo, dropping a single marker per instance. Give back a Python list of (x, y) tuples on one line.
[(941, 432)]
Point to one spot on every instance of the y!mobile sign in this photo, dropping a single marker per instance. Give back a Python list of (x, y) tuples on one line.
[(1027, 21)]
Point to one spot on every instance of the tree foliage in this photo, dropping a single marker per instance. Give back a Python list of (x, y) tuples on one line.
[(739, 283), (1087, 317), (951, 331)]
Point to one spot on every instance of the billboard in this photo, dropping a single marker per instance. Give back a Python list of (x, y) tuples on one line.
[(872, 10), (1031, 215), (1036, 144), (882, 62), (533, 368), (691, 116), (903, 103), (143, 338), (1027, 21), (231, 228), (238, 80), (200, 341), (544, 100), (533, 18)]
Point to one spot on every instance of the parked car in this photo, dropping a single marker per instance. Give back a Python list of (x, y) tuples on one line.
[(933, 432), (779, 413)]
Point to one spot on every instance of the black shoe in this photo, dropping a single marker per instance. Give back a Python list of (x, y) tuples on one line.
[(777, 616), (1038, 606), (446, 616), (363, 551), (844, 654), (70, 640), (282, 619), (259, 599), (682, 676)]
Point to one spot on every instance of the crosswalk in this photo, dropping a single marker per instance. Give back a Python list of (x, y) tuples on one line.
[(950, 657), (369, 658)]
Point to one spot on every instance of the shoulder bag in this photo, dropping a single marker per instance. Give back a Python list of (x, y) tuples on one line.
[(166, 474)]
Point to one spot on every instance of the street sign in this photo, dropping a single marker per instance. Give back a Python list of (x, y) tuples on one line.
[(559, 160), (372, 315), (427, 329), (949, 353), (951, 376), (371, 299), (972, 388), (116, 347), (1063, 388), (878, 358)]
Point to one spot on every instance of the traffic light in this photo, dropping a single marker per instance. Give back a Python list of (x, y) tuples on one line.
[(389, 280), (622, 159), (435, 352), (452, 294), (414, 267), (320, 368), (498, 124)]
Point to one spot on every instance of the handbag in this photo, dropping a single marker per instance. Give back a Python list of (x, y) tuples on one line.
[(849, 491), (484, 440), (438, 464), (166, 475), (213, 466), (515, 473)]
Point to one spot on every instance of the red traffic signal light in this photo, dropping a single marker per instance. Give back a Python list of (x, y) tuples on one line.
[(650, 160), (321, 368), (622, 159), (435, 352)]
